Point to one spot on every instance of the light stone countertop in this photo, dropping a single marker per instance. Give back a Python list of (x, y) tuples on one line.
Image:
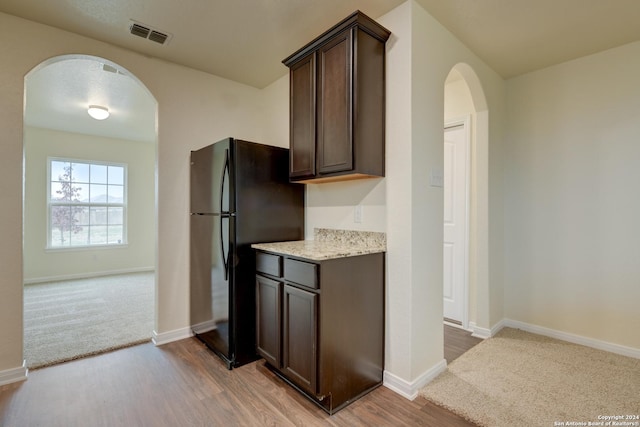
[(329, 244)]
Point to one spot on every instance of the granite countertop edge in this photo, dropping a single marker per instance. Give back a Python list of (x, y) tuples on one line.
[(318, 250)]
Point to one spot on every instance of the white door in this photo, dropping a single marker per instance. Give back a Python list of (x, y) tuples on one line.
[(455, 222)]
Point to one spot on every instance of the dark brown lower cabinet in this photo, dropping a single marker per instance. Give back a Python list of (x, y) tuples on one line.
[(321, 324), (268, 297), (299, 336)]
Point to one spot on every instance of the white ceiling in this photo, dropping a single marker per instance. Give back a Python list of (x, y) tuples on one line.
[(518, 36), (246, 40), (59, 93), (241, 40)]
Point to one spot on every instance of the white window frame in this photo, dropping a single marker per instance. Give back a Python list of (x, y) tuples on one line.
[(106, 204)]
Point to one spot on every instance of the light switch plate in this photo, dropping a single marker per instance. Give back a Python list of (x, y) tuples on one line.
[(357, 214), (436, 178)]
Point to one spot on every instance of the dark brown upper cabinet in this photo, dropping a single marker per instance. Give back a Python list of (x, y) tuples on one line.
[(337, 107)]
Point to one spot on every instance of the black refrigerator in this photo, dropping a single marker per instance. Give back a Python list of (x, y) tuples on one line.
[(240, 194)]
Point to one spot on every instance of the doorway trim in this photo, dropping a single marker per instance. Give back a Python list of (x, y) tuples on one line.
[(465, 122)]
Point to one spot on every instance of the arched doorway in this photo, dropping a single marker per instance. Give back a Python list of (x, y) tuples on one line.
[(465, 249), (89, 208)]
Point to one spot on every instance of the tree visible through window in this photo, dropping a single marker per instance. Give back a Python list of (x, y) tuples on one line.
[(87, 203)]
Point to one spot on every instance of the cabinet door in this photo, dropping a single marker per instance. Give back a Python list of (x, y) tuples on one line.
[(299, 352), (268, 322), (335, 92), (302, 153)]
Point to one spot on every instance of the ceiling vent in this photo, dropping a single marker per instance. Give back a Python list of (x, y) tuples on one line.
[(158, 37), (149, 33), (139, 30)]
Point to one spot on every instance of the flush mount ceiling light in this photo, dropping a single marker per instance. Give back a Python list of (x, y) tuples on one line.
[(98, 112)]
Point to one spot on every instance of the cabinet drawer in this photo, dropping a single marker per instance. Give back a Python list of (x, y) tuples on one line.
[(300, 272), (269, 264)]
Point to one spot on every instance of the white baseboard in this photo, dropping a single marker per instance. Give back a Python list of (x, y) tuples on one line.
[(496, 328), (14, 375), (484, 333), (203, 327), (573, 338), (86, 275), (171, 336), (409, 389), (479, 332)]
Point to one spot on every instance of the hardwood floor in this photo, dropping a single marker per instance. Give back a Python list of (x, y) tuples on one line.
[(456, 342), (184, 384)]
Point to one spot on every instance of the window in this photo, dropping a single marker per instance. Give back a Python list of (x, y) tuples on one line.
[(86, 203)]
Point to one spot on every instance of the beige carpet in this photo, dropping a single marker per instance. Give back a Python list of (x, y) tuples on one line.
[(71, 319), (522, 379)]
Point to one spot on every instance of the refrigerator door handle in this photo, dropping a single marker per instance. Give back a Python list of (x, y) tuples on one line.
[(223, 253), (223, 213), (225, 173)]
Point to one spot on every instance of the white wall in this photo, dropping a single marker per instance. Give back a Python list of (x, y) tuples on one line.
[(138, 254), (332, 205), (194, 109), (457, 99), (421, 53), (275, 112), (572, 258)]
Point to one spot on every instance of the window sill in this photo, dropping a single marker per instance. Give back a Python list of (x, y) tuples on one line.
[(85, 248)]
